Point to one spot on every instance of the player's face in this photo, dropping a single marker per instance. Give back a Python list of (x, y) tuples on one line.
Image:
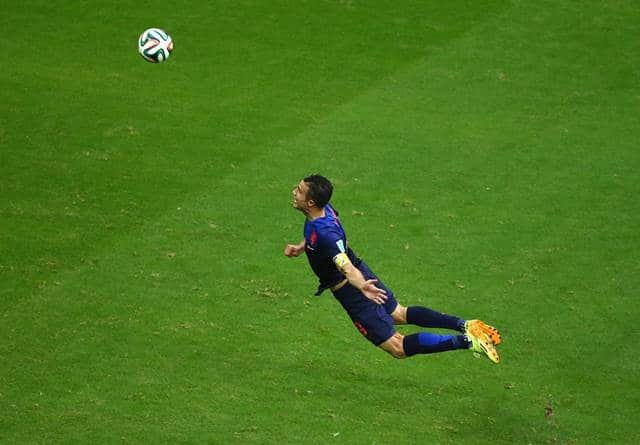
[(300, 196)]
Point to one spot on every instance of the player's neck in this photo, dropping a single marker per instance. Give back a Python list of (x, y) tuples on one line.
[(315, 213)]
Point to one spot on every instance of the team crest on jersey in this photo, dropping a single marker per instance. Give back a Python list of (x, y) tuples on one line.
[(313, 239)]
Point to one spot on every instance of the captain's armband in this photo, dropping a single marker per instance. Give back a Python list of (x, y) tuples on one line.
[(341, 261)]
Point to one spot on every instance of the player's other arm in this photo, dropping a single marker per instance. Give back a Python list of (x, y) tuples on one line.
[(356, 279), (292, 250)]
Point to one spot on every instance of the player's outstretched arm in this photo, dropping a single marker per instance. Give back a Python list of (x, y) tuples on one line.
[(356, 279), (292, 250)]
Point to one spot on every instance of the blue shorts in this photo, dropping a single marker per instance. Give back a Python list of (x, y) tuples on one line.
[(373, 320)]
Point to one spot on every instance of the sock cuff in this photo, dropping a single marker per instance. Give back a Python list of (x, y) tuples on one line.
[(411, 344)]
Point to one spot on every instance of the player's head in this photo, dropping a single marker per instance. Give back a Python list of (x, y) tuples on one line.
[(312, 191), (320, 189)]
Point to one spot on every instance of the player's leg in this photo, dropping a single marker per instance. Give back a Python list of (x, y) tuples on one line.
[(401, 346), (427, 318), (475, 338), (377, 326)]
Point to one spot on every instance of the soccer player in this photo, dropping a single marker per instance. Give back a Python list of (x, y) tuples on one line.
[(370, 304)]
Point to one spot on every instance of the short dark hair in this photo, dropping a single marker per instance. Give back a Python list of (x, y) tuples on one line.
[(320, 189)]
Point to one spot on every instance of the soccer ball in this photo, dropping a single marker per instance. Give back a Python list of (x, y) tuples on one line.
[(155, 45)]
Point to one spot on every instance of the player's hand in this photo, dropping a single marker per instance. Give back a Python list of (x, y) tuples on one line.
[(293, 250), (373, 292)]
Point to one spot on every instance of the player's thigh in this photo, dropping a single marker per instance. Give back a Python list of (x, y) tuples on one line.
[(374, 323)]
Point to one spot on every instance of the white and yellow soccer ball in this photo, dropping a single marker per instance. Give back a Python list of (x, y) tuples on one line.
[(155, 45)]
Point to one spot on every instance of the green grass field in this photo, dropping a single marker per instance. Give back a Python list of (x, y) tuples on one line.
[(486, 163)]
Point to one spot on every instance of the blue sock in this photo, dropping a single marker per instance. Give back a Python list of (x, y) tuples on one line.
[(428, 318), (428, 343)]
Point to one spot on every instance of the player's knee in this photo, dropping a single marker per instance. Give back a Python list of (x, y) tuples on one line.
[(395, 346), (399, 315), (397, 353)]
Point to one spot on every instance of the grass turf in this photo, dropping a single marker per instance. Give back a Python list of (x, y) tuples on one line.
[(485, 162)]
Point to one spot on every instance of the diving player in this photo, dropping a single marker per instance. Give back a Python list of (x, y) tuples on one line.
[(370, 304)]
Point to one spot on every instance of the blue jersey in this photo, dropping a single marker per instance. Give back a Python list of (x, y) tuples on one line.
[(324, 239)]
